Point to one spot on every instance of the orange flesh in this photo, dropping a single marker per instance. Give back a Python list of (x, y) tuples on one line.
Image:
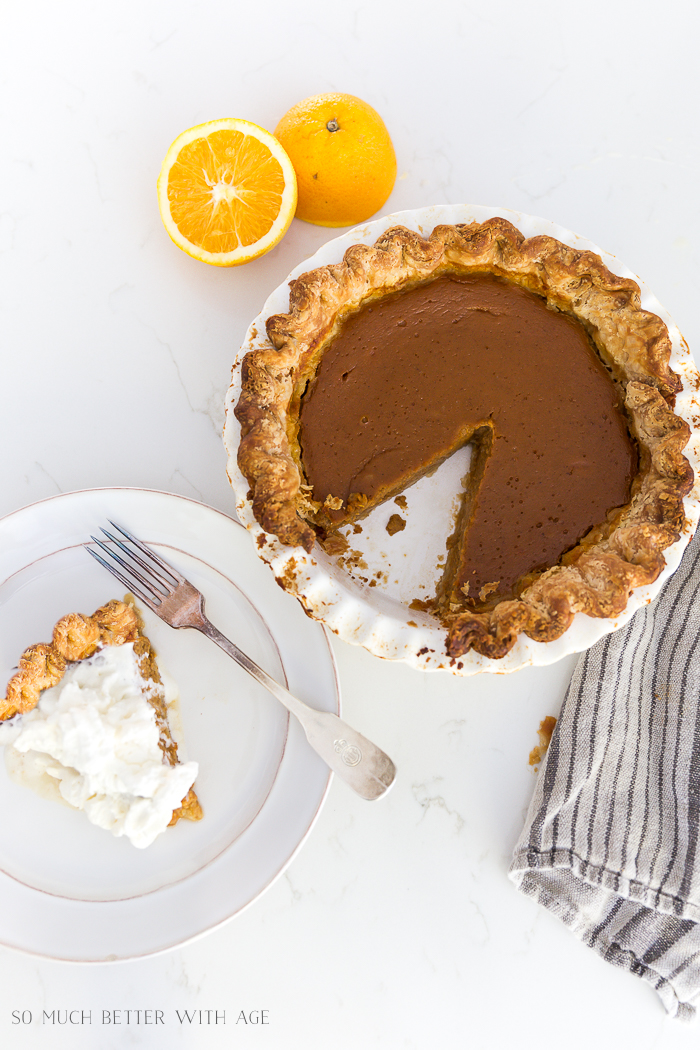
[(225, 190)]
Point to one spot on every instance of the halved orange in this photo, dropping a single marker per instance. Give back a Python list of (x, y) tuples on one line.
[(227, 192)]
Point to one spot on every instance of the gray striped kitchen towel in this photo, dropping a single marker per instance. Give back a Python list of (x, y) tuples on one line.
[(610, 843)]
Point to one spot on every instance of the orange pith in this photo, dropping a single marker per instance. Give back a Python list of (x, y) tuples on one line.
[(225, 190)]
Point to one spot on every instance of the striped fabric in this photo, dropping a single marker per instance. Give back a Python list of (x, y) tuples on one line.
[(610, 844)]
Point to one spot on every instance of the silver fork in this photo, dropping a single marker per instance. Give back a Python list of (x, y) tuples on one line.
[(167, 593)]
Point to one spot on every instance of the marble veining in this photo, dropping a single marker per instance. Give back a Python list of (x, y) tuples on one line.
[(395, 926)]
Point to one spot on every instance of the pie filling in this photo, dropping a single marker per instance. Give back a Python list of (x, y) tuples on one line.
[(414, 376)]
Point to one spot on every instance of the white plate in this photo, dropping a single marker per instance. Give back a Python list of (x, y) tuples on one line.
[(406, 566), (72, 891)]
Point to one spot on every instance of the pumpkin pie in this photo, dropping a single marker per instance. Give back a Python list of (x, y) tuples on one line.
[(77, 638), (529, 351)]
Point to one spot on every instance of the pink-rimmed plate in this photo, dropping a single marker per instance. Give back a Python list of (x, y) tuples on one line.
[(72, 891), (371, 605)]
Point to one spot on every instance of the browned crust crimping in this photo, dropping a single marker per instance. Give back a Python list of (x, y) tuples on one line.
[(616, 556), (77, 637)]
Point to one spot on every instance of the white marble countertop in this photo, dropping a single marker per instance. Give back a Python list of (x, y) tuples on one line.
[(395, 926)]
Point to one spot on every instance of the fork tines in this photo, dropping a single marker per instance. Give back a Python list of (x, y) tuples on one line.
[(161, 578)]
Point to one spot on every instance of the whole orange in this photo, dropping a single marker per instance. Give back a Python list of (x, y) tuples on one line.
[(343, 158)]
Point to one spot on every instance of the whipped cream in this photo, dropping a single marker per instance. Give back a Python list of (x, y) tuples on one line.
[(96, 734)]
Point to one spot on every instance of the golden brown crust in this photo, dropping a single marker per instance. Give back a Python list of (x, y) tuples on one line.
[(191, 809), (40, 667), (118, 622), (77, 637), (615, 556)]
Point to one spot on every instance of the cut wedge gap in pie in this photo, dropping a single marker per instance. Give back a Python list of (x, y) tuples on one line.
[(85, 720), (536, 354)]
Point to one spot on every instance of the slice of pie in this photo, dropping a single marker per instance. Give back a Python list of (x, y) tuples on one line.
[(91, 707), (533, 353)]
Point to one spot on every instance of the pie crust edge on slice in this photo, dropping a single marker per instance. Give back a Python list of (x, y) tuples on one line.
[(77, 637), (625, 552)]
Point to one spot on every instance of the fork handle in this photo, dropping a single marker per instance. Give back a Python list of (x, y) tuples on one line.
[(354, 758)]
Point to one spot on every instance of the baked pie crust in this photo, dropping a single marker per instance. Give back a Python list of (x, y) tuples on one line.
[(77, 637), (615, 556)]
